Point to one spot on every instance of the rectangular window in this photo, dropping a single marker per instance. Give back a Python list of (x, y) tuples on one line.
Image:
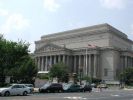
[(105, 72)]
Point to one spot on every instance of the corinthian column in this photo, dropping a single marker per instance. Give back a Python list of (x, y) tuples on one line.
[(90, 65), (75, 63), (63, 58), (54, 59), (38, 64), (46, 63), (68, 60), (50, 64), (84, 66), (79, 63), (126, 62), (42, 63), (59, 58), (95, 65)]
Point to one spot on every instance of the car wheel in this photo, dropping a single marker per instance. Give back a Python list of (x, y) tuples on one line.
[(90, 91), (7, 93), (60, 91), (48, 91), (25, 93)]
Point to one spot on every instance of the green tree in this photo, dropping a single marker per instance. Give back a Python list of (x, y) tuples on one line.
[(87, 78), (59, 70), (27, 70), (127, 76), (15, 56)]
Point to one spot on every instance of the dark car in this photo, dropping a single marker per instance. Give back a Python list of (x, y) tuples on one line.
[(72, 88), (93, 85), (51, 87), (104, 86), (86, 87)]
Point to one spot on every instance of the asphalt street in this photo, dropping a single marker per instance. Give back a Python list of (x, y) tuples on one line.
[(94, 95)]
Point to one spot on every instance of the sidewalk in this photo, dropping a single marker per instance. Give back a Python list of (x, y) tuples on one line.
[(130, 89)]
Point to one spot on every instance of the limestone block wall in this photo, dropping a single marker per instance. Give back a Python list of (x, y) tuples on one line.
[(109, 63), (117, 64), (118, 42), (100, 40)]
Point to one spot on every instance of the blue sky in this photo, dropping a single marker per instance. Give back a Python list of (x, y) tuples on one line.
[(28, 20)]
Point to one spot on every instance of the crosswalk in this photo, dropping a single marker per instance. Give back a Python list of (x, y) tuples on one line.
[(98, 90), (83, 98)]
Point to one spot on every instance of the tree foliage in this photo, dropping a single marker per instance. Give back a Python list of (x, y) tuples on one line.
[(15, 60), (127, 76), (60, 71)]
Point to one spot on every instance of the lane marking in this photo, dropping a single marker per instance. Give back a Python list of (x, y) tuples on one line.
[(75, 98), (115, 95)]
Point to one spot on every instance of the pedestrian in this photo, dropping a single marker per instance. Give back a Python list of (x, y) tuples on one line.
[(100, 88)]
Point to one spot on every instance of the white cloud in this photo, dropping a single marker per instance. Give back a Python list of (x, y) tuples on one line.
[(14, 22), (3, 12), (113, 4), (51, 5)]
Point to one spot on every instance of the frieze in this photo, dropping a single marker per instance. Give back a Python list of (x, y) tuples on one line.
[(49, 47)]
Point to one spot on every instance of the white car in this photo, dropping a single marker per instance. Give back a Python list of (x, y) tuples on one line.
[(30, 86), (14, 89)]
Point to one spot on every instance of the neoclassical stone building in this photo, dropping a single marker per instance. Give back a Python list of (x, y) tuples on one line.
[(99, 51)]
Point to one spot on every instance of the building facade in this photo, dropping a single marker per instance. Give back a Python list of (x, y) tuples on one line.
[(99, 51)]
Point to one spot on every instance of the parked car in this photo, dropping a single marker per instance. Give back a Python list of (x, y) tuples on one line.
[(30, 86), (14, 89), (103, 86), (86, 87), (51, 87), (93, 85), (72, 88)]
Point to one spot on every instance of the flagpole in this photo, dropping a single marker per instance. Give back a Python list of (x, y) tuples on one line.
[(86, 61)]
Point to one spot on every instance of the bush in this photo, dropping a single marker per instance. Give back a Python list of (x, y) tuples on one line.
[(43, 76), (96, 80), (3, 84)]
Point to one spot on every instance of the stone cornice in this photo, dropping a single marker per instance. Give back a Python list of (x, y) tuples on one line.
[(57, 48), (61, 52), (75, 31), (130, 54), (96, 29), (115, 31), (116, 49), (72, 36), (82, 51)]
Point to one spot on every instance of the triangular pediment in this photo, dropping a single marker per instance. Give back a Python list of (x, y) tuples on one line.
[(49, 47)]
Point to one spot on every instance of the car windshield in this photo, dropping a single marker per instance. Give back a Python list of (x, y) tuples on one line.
[(46, 85), (65, 87), (29, 85)]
